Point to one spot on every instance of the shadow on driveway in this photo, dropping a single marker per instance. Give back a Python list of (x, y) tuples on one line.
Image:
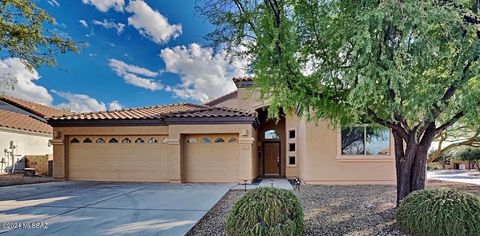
[(93, 208)]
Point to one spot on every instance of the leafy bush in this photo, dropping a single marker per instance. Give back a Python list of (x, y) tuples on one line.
[(439, 212), (266, 211)]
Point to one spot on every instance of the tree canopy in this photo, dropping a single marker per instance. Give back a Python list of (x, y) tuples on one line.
[(412, 66), (25, 33)]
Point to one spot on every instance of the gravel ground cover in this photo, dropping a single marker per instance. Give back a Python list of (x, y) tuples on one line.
[(17, 179), (332, 210)]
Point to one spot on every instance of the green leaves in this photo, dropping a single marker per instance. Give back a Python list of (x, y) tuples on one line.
[(266, 211), (338, 59), (442, 212), (24, 34)]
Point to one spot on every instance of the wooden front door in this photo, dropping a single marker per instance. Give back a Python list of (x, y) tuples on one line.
[(271, 154)]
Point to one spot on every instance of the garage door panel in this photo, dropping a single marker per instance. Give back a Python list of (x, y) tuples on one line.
[(118, 161), (211, 162)]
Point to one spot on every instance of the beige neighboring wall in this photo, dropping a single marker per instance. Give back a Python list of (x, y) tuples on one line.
[(323, 164), (28, 143)]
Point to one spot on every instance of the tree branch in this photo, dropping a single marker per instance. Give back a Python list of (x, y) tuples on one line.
[(242, 11), (454, 119), (401, 131)]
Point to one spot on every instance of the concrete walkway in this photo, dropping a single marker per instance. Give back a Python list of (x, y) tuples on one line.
[(462, 176), (92, 208), (275, 182)]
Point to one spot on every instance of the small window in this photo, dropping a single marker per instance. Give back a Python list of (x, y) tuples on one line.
[(219, 140), (152, 140), (113, 140), (205, 140), (271, 134), (139, 140), (126, 140), (232, 140), (191, 140), (291, 133), (87, 140), (99, 140), (74, 140), (291, 147), (291, 160), (165, 140)]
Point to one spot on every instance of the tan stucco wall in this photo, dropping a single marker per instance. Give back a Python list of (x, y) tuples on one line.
[(229, 103), (28, 143), (323, 164), (291, 123), (318, 150)]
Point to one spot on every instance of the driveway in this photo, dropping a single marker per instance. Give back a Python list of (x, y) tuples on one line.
[(462, 176), (92, 208)]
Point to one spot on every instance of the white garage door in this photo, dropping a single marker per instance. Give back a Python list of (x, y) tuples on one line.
[(118, 158), (211, 158)]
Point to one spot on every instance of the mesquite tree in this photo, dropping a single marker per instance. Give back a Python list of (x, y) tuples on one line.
[(27, 32), (412, 66)]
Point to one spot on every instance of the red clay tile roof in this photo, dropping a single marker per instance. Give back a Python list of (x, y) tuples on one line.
[(153, 112), (213, 112), (223, 98), (181, 110), (19, 121), (243, 78), (35, 108)]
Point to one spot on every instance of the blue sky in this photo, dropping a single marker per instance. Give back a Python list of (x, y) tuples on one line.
[(138, 53)]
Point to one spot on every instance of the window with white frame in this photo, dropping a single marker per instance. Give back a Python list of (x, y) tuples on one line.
[(365, 140)]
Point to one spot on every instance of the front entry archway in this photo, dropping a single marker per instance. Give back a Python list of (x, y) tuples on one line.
[(271, 148)]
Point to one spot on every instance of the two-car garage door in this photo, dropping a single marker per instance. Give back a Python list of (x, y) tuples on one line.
[(118, 158), (206, 158)]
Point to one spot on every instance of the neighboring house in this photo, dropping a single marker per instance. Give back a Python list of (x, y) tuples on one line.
[(229, 139), (23, 131), (460, 165)]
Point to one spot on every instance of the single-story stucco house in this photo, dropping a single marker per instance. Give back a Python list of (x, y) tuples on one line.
[(23, 131), (229, 139)]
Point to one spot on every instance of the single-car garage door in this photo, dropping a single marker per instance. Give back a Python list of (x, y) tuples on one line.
[(211, 158), (118, 158)]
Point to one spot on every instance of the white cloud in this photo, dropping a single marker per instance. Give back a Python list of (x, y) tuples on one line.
[(204, 74), (110, 24), (115, 105), (151, 24), (121, 68), (53, 3), (13, 72), (105, 5), (83, 22), (131, 74), (79, 102)]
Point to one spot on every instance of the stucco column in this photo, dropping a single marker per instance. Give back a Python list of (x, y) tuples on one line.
[(175, 160), (59, 163), (245, 156)]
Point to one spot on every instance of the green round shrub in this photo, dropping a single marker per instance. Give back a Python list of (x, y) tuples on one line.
[(266, 211), (439, 212)]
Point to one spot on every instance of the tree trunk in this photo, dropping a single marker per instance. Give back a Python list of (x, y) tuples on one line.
[(411, 162)]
